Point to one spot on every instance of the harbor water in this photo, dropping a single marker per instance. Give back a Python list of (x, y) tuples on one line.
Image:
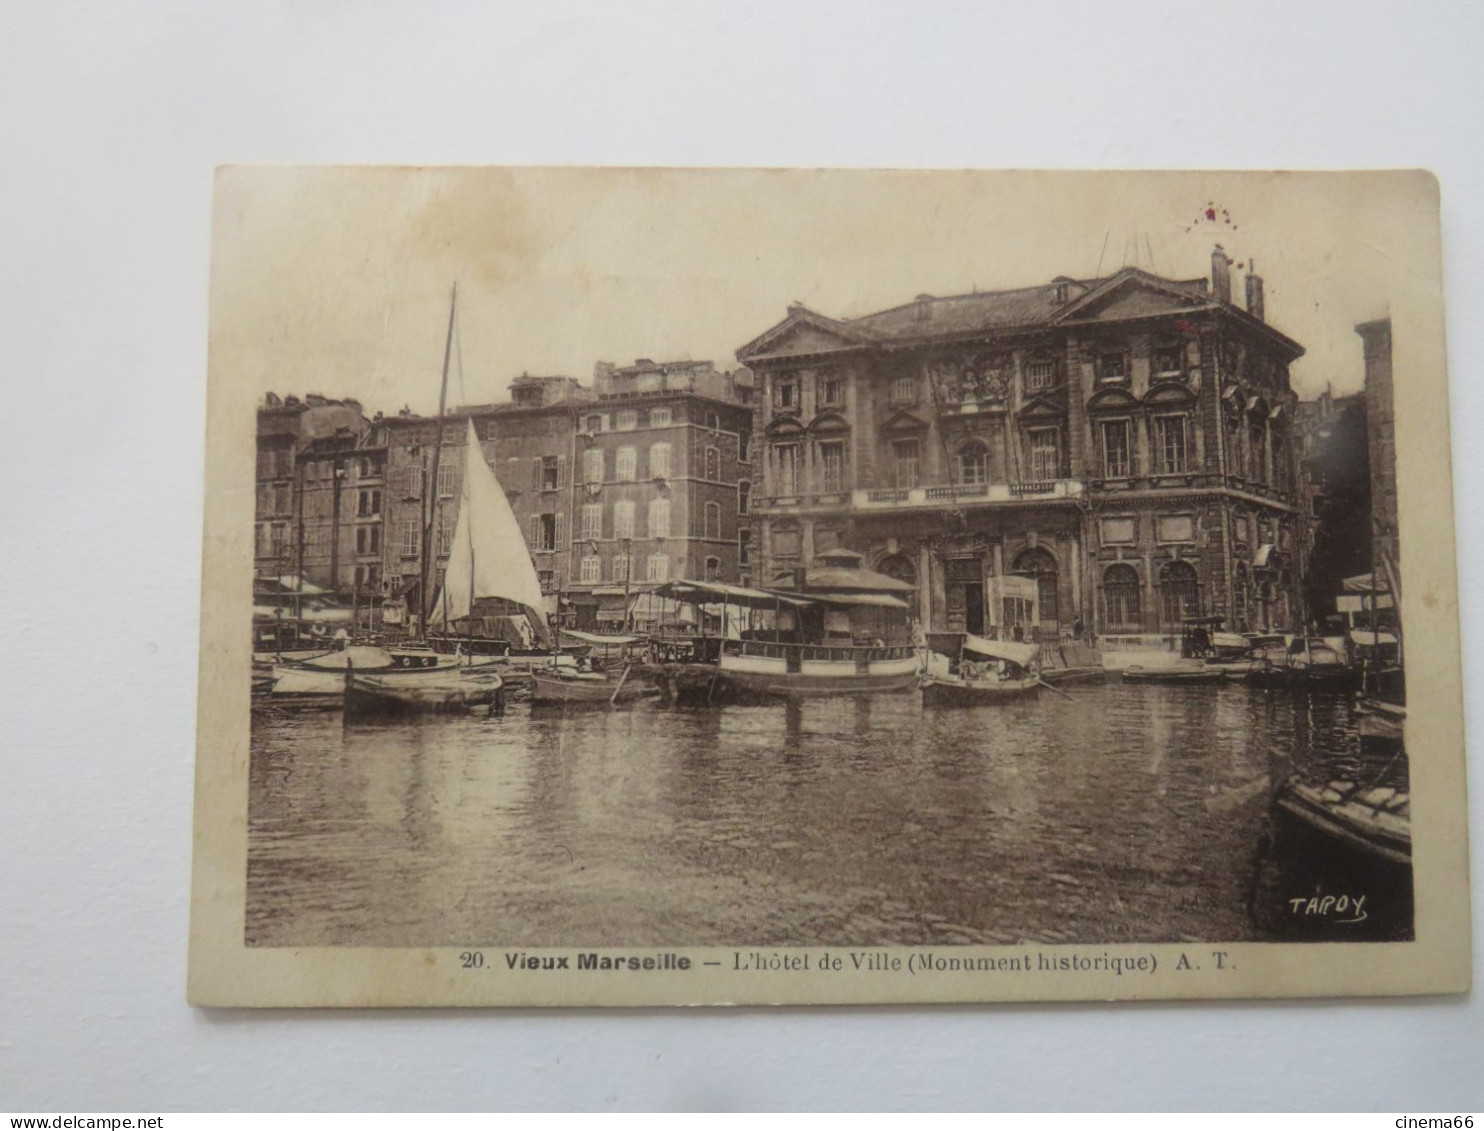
[(1125, 814)]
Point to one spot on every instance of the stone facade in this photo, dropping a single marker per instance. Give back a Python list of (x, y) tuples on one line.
[(1124, 443)]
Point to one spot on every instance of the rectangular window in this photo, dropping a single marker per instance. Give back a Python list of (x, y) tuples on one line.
[(1113, 366), (623, 519), (626, 465), (592, 570), (409, 538), (1045, 446), (659, 518), (592, 465), (1169, 360), (1117, 461), (659, 567), (413, 482), (1040, 373), (623, 568), (904, 390), (659, 418), (546, 531), (627, 420), (592, 521), (550, 473), (788, 468), (546, 578), (595, 423), (659, 461), (446, 527), (744, 496), (712, 521), (744, 547), (785, 394), (1170, 451), (368, 502), (447, 469), (832, 464), (906, 456), (831, 392)]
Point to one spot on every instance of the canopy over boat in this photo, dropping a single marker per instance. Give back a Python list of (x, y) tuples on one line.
[(878, 600), (1021, 654), (488, 557), (1372, 582), (1368, 639), (594, 638), (714, 592)]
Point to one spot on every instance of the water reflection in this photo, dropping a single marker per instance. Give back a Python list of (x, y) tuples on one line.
[(1137, 813)]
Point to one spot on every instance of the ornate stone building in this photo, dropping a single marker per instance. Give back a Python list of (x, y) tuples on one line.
[(1124, 443)]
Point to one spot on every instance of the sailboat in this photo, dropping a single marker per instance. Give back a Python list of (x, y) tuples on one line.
[(488, 558)]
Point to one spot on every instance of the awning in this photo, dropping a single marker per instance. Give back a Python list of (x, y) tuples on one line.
[(298, 584), (1366, 583), (1021, 654), (879, 600), (1368, 639), (715, 592), (837, 578), (594, 638), (1263, 555)]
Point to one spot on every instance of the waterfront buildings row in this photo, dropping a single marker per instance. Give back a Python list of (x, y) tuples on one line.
[(638, 479), (1109, 455)]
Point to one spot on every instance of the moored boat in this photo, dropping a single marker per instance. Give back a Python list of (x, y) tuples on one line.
[(560, 686), (984, 673), (1375, 821), (438, 687), (1181, 673), (320, 680)]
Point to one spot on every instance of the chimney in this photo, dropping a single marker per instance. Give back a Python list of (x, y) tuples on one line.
[(1254, 293), (1221, 275)]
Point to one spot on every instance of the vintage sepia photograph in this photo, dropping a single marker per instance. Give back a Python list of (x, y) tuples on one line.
[(783, 585)]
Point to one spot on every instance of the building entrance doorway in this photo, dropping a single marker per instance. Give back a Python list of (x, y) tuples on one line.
[(1039, 564), (964, 578)]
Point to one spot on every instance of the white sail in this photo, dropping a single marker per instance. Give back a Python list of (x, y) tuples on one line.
[(489, 557)]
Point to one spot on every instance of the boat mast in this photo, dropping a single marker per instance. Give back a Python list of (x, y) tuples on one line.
[(432, 487)]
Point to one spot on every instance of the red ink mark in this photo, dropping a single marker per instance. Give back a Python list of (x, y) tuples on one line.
[(1210, 214), (1185, 326)]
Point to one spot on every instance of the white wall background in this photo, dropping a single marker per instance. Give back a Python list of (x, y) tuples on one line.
[(111, 119)]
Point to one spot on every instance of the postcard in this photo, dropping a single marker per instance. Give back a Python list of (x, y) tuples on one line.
[(728, 586)]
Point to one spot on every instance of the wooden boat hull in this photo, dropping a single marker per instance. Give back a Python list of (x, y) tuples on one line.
[(1382, 830), (1304, 679), (822, 679), (1174, 675), (440, 690), (554, 690), (1380, 722), (939, 692)]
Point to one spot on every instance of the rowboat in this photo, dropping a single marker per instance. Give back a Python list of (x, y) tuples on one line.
[(1175, 673), (1380, 721), (320, 680), (1376, 821), (439, 687), (561, 686)]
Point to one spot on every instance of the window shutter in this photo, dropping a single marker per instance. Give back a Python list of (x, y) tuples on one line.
[(536, 474), (561, 472), (561, 531), (535, 535)]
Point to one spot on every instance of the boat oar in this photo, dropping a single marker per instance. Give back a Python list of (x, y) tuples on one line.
[(1058, 690), (612, 699)]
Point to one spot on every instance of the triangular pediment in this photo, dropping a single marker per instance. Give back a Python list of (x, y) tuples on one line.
[(803, 333), (902, 422), (1134, 294)]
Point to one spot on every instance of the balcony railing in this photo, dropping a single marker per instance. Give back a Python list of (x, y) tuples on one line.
[(958, 494)]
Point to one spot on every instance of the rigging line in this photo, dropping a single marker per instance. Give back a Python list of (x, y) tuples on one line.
[(458, 348), (1150, 248), (1099, 272)]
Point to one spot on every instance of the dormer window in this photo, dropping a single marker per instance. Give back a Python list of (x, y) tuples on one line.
[(1113, 365), (1063, 292)]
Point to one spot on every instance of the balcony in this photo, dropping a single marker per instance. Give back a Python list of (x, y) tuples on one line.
[(964, 494)]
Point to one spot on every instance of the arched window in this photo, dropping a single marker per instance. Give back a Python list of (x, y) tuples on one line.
[(659, 461), (1179, 593), (592, 465), (1121, 611), (973, 463), (1040, 564)]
